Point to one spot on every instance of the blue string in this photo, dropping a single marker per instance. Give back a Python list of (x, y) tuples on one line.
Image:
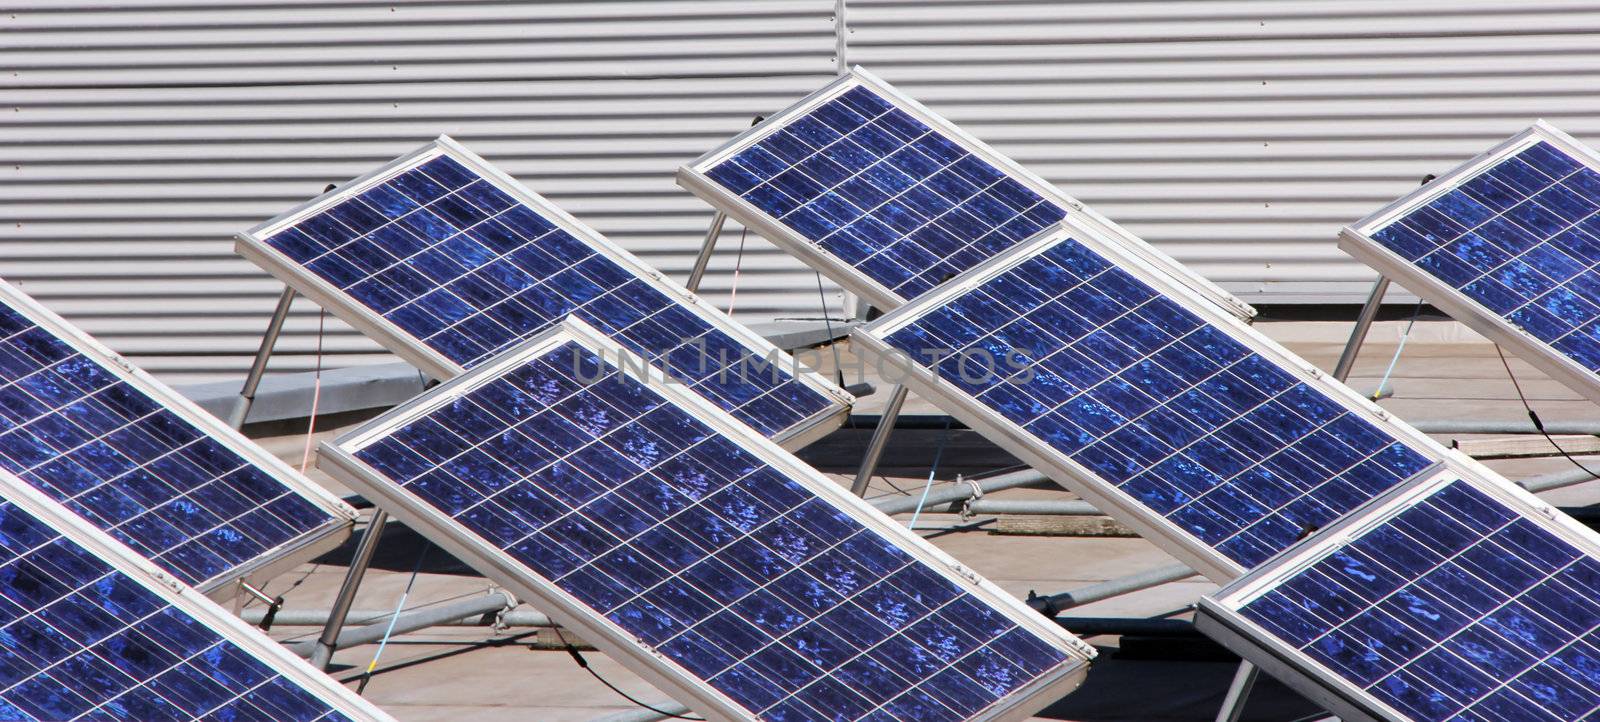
[(927, 487)]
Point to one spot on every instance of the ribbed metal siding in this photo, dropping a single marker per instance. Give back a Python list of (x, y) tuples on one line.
[(137, 137), (1241, 135)]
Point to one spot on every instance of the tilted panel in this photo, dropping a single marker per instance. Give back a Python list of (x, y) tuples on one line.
[(137, 460), (1206, 436), (887, 198), (448, 262), (1507, 243), (1462, 598), (88, 630), (704, 557)]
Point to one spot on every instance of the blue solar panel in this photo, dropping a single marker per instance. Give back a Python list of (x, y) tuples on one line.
[(112, 447), (1163, 407), (902, 204), (87, 634), (1460, 606), (1520, 237), (448, 258), (673, 530)]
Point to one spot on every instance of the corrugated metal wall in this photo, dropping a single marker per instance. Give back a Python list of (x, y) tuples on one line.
[(1240, 135), (137, 136)]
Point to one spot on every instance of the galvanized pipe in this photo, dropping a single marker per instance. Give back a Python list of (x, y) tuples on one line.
[(1051, 507), (1473, 426), (880, 440), (1238, 692), (258, 367), (706, 247), (950, 493), (361, 617), (1556, 480), (412, 621), (1111, 588)]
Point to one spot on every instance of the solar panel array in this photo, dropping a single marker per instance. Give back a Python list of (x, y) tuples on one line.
[(85, 637), (1160, 404), (1520, 237), (640, 509), (901, 203), (1458, 607), (107, 445), (464, 266)]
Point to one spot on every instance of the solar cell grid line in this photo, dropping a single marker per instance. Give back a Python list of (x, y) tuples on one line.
[(1506, 243), (136, 459), (702, 556), (888, 199), (1459, 596), (91, 630), (1184, 423), (447, 261)]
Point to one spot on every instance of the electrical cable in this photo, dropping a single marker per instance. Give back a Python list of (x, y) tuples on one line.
[(1378, 392), (1534, 417), (584, 665), (932, 470), (384, 643), (316, 392)]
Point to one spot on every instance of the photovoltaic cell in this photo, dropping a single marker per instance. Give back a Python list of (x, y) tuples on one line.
[(889, 199), (1458, 606), (111, 446), (901, 203), (1517, 235), (1162, 406), (87, 633), (452, 260), (664, 525)]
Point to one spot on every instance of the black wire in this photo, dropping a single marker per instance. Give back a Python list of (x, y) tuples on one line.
[(584, 665), (1534, 417)]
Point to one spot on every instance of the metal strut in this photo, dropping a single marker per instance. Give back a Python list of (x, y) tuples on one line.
[(1238, 692), (258, 367), (706, 247), (1358, 335), (880, 440), (329, 641)]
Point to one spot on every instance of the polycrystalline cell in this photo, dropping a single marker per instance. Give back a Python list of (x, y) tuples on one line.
[(656, 522), (900, 203), (1458, 607), (1518, 237), (462, 265), (86, 637), (110, 446), (1160, 404)]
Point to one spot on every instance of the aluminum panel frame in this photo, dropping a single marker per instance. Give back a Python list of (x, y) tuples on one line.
[(1217, 615), (252, 245), (197, 604), (338, 458), (284, 557), (1058, 466), (692, 177), (1357, 241)]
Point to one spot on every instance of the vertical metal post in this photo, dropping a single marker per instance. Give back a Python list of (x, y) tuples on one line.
[(880, 439), (328, 642), (841, 39), (1238, 693), (709, 245), (258, 368), (1358, 335)]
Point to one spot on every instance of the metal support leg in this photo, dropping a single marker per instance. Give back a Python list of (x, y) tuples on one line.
[(1358, 335), (1238, 693), (258, 368), (710, 244), (880, 439), (328, 642)]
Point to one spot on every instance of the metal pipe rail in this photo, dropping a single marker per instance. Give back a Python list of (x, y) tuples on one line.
[(412, 621)]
